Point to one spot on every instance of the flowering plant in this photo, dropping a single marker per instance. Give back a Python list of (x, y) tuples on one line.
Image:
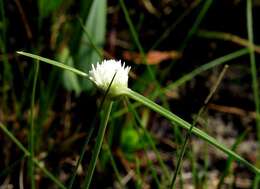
[(111, 76), (103, 73)]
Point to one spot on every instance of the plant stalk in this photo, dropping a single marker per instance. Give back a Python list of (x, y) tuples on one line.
[(27, 154), (97, 147), (182, 123)]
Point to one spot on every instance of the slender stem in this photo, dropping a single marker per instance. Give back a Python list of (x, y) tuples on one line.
[(228, 165), (6, 171), (183, 150), (31, 134), (27, 153), (173, 26), (14, 139), (255, 85), (97, 147), (188, 135), (197, 23), (82, 153), (150, 140), (180, 122), (134, 34), (114, 166)]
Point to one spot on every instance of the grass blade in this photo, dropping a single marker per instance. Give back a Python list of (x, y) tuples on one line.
[(27, 153), (8, 169), (197, 22), (31, 133), (170, 29), (54, 63), (100, 137), (230, 159), (150, 139), (137, 41), (254, 80), (207, 66), (188, 135), (114, 166), (83, 151), (180, 122), (227, 37)]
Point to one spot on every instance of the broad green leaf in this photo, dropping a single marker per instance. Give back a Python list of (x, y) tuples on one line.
[(95, 26), (70, 80)]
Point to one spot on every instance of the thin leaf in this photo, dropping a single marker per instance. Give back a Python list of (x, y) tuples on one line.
[(27, 153), (54, 63), (180, 122)]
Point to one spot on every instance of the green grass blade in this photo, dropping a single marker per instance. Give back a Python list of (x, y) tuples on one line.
[(137, 41), (197, 22), (97, 147), (255, 85), (207, 66), (226, 171), (132, 30), (170, 29), (180, 122), (150, 140), (14, 139), (100, 138), (54, 63), (11, 167), (31, 132), (82, 153), (27, 153), (139, 181), (114, 166), (188, 135)]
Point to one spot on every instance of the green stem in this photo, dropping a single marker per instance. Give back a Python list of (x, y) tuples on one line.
[(114, 166), (150, 139), (27, 153), (180, 122), (31, 134), (188, 135), (228, 166), (82, 153), (97, 147), (250, 33), (137, 41), (183, 150), (197, 23)]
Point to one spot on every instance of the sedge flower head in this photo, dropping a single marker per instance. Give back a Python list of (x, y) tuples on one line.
[(102, 74)]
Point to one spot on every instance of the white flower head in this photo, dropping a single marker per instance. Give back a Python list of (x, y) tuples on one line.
[(103, 73)]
